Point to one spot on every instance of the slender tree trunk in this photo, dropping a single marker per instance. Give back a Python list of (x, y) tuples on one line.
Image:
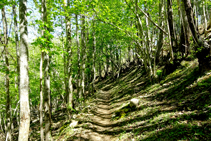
[(16, 44), (41, 98), (148, 48), (207, 10), (100, 63), (171, 26), (47, 97), (8, 107), (195, 2), (190, 16), (69, 59), (185, 28), (79, 92), (107, 60), (46, 67), (100, 52), (89, 75), (87, 44), (41, 82), (205, 18), (94, 58), (17, 54), (65, 69), (161, 24), (83, 54), (1, 127), (24, 76)]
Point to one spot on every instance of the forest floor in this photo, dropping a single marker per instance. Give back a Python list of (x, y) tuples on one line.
[(176, 108), (95, 123)]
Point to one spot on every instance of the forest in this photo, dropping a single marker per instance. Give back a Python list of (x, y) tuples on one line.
[(100, 70)]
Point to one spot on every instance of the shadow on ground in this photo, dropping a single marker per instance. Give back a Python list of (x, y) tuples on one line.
[(177, 108)]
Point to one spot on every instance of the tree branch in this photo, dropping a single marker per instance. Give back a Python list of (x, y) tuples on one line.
[(155, 24), (127, 32)]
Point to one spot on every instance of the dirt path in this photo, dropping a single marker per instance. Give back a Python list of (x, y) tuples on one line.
[(100, 121)]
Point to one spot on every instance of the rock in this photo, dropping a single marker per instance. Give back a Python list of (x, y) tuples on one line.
[(74, 116), (74, 123), (134, 102)]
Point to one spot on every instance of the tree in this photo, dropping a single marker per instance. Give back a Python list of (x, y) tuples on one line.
[(202, 47), (94, 57), (69, 85), (24, 76), (161, 24), (46, 67), (83, 55), (171, 27), (7, 83), (79, 90)]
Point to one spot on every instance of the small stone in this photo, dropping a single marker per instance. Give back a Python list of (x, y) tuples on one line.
[(74, 123), (134, 102)]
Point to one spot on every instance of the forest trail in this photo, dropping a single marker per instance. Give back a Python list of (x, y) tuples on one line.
[(176, 108), (100, 120)]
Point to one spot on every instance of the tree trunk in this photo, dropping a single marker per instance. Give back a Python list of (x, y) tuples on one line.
[(88, 65), (24, 76), (47, 97), (41, 98), (107, 60), (195, 3), (202, 47), (16, 43), (69, 59), (46, 67), (148, 51), (83, 54), (7, 83), (100, 64), (205, 18), (185, 28), (94, 58), (161, 24), (17, 54), (79, 92), (171, 26)]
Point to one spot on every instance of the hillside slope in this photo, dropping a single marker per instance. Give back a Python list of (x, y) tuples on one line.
[(177, 108)]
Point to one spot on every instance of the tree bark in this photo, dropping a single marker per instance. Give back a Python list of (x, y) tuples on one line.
[(7, 83), (41, 98), (195, 3), (83, 55), (17, 56), (16, 44), (24, 76), (147, 48), (205, 18), (79, 92), (202, 47), (69, 59), (171, 25), (46, 67), (161, 24), (107, 61), (94, 58), (185, 28)]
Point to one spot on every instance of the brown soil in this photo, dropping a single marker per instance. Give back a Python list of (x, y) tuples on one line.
[(100, 121)]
